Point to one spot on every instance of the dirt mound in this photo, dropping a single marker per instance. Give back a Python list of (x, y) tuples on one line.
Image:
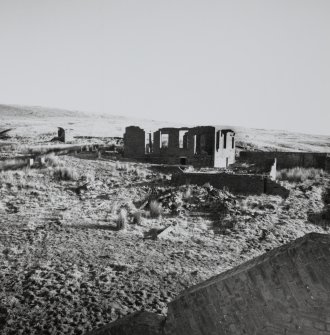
[(285, 291), (280, 292), (139, 323)]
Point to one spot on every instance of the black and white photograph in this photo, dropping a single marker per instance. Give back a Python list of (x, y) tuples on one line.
[(165, 167)]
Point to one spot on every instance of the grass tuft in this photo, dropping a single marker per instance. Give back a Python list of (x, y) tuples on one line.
[(65, 173), (121, 220), (299, 174), (188, 193), (137, 217), (119, 166), (52, 160), (155, 209)]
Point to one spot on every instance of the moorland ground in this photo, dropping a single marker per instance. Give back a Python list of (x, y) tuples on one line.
[(83, 240), (86, 240)]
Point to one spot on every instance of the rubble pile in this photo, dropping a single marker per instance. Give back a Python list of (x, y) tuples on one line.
[(322, 218), (190, 200)]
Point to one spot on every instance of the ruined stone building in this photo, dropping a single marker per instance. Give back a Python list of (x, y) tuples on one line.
[(63, 135), (204, 146)]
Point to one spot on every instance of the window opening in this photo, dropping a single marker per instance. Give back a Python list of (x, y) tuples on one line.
[(164, 140), (182, 143)]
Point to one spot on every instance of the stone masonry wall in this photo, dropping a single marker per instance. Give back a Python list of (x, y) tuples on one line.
[(134, 142), (273, 170), (236, 183), (173, 153), (247, 184), (173, 148), (198, 161), (197, 146), (224, 155), (327, 163), (285, 160)]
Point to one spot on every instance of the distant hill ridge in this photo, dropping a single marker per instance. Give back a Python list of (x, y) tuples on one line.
[(37, 112), (33, 120)]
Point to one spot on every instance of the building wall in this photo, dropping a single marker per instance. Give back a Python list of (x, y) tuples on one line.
[(63, 135), (224, 153), (285, 291), (196, 161), (173, 154), (173, 148), (285, 160), (327, 163), (273, 170), (236, 183), (134, 142), (199, 146)]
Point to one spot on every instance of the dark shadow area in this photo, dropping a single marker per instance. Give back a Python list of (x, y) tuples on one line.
[(152, 233), (322, 218), (157, 183), (95, 226)]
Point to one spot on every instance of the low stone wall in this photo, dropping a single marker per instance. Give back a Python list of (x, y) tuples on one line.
[(167, 169), (285, 160), (35, 157), (15, 163), (274, 188), (327, 163), (198, 161), (236, 183)]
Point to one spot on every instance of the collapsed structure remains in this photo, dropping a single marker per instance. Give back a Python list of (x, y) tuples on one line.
[(204, 146)]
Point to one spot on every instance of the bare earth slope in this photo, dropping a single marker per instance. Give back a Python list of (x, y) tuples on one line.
[(34, 121)]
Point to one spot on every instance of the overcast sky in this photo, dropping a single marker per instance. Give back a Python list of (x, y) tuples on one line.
[(256, 63)]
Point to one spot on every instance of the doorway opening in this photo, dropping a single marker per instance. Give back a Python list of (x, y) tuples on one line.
[(183, 160)]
